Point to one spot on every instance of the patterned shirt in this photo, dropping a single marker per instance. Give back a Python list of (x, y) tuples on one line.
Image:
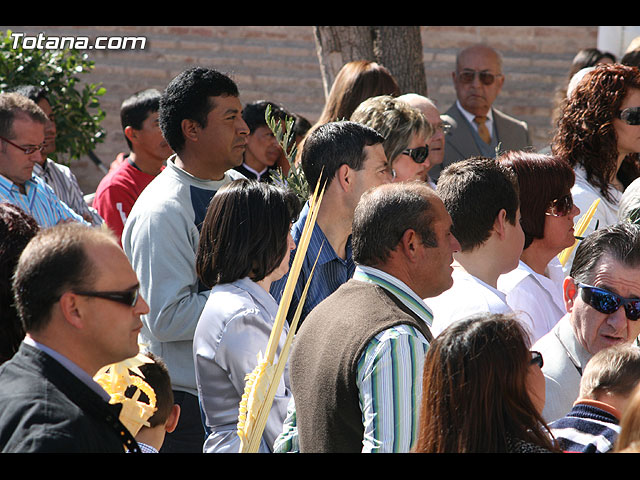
[(389, 379), (590, 427), (39, 201), (65, 185), (331, 271)]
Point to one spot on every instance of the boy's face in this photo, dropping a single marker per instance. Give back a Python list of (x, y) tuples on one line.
[(149, 140)]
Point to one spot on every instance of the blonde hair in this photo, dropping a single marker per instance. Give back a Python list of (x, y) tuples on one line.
[(629, 437), (395, 120), (615, 370)]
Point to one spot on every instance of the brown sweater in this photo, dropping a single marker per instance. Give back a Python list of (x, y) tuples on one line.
[(324, 360)]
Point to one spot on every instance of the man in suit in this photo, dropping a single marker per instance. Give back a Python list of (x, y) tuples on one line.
[(77, 297), (601, 297), (477, 128), (403, 246)]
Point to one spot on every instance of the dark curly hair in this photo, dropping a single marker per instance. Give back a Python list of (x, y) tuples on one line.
[(585, 134)]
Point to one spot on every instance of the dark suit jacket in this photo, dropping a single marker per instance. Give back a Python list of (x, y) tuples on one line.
[(45, 408), (513, 134)]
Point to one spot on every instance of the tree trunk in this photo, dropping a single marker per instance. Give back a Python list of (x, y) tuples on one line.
[(397, 48)]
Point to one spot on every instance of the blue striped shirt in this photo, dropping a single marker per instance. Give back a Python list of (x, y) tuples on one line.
[(331, 271), (39, 201), (587, 428), (389, 379)]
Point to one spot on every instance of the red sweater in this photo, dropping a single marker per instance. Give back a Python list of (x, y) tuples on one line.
[(117, 192)]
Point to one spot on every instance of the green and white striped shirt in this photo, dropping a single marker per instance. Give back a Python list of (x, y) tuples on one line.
[(389, 378)]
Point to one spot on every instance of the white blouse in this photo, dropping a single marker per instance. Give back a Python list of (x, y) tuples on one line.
[(536, 299)]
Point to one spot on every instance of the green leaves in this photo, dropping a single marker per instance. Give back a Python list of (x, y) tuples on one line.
[(285, 136), (76, 104)]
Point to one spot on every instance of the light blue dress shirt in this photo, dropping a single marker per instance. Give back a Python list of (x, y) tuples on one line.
[(233, 329)]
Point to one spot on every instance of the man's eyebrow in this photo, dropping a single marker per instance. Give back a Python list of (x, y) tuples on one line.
[(613, 290)]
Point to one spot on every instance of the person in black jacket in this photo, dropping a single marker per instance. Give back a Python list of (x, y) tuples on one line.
[(77, 298)]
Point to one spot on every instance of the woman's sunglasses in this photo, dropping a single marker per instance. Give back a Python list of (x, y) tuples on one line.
[(608, 302), (561, 206), (536, 358), (419, 155), (630, 115)]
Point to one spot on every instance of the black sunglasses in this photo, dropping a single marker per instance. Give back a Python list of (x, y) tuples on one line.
[(487, 78), (608, 302), (128, 297), (536, 358), (630, 115), (419, 155), (561, 206), (26, 150)]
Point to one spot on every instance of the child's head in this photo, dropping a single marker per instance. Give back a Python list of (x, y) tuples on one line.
[(157, 376)]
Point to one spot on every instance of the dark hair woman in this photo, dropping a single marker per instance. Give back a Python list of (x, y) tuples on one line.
[(244, 246), (598, 134), (483, 390), (16, 229), (534, 288)]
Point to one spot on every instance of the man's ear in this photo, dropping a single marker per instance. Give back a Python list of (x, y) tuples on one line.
[(408, 242), (344, 177), (570, 293), (71, 309), (190, 129)]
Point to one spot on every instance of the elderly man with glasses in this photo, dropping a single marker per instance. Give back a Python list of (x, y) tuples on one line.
[(22, 139), (602, 300), (477, 128)]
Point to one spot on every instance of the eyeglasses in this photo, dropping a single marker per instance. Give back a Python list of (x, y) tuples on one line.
[(608, 302), (27, 150), (486, 78), (443, 127), (536, 358), (630, 115), (419, 155), (128, 297), (561, 206)]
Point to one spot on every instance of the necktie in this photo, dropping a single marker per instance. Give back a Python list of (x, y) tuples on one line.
[(483, 131)]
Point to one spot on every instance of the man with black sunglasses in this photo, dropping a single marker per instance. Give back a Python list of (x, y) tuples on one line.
[(77, 298), (477, 128), (602, 300)]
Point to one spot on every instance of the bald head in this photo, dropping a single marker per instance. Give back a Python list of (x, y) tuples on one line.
[(429, 109)]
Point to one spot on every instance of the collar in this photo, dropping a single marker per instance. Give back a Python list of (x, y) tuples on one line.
[(255, 172), (470, 116), (69, 365), (397, 287), (9, 185), (577, 354), (319, 240), (259, 295), (601, 405)]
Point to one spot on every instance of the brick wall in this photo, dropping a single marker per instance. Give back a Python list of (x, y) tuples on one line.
[(280, 63)]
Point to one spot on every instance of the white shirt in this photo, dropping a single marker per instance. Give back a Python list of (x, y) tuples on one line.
[(470, 117), (584, 194), (467, 296), (536, 299)]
